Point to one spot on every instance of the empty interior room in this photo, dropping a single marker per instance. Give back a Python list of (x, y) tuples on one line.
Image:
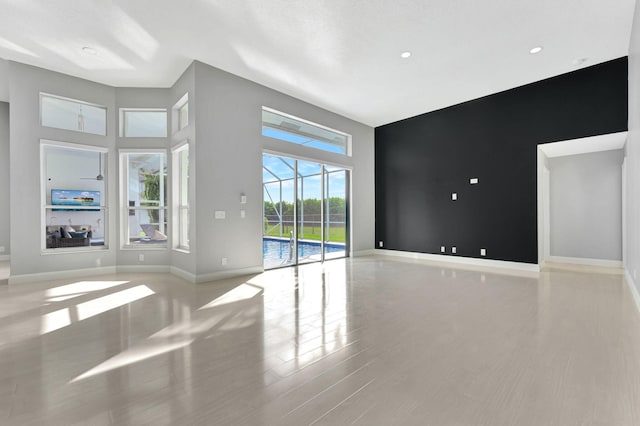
[(320, 213)]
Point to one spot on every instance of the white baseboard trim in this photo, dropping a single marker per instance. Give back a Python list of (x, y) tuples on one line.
[(143, 268), (603, 263), (214, 276), (361, 253), (633, 289), (459, 260), (181, 273), (5, 257), (231, 273), (48, 276)]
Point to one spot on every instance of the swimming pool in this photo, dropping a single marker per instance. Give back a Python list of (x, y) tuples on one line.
[(276, 251)]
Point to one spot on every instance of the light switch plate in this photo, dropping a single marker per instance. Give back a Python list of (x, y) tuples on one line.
[(220, 214), (453, 250), (454, 196), (243, 199), (483, 252), (243, 214), (443, 249)]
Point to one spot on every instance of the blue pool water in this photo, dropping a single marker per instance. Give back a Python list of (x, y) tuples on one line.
[(276, 251)]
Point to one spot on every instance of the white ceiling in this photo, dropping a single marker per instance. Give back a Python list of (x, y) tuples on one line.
[(341, 55)]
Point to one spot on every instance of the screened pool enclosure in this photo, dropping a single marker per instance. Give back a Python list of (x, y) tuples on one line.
[(305, 211)]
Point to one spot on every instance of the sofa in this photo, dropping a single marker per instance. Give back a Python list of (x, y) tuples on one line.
[(61, 236)]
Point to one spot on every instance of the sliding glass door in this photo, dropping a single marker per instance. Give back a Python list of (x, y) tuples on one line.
[(305, 211)]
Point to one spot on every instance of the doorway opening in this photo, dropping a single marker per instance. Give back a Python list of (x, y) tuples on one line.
[(580, 201), (305, 211)]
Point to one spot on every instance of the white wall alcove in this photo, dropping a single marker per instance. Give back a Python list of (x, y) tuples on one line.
[(580, 201)]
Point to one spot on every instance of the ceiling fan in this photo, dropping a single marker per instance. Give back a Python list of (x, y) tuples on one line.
[(99, 177)]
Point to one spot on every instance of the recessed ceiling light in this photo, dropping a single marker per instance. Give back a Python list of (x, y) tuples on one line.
[(405, 55), (536, 49), (89, 50)]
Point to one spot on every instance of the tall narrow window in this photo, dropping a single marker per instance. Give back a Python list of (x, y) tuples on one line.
[(181, 195), (74, 196), (144, 202), (71, 114), (183, 116), (181, 113)]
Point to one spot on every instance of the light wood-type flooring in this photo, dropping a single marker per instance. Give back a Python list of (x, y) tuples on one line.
[(365, 341)]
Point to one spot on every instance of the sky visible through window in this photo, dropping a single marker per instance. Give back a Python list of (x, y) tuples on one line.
[(283, 168), (301, 140)]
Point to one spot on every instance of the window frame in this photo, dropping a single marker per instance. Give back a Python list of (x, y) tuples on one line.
[(125, 238), (44, 95), (177, 111), (122, 115), (348, 137), (178, 196), (104, 206)]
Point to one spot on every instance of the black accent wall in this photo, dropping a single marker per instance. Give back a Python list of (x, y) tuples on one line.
[(422, 160)]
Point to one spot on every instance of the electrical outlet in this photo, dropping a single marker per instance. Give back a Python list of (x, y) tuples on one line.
[(443, 249), (220, 214), (454, 196), (473, 181), (483, 252), (141, 257), (1, 249), (380, 244), (453, 250), (224, 261)]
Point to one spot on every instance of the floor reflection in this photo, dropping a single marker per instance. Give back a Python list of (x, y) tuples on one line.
[(350, 341)]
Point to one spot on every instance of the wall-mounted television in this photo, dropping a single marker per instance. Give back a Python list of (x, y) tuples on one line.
[(75, 198)]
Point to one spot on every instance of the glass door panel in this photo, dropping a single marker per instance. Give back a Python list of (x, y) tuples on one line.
[(278, 233), (335, 212), (309, 212)]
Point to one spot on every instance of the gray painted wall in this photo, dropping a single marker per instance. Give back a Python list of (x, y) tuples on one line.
[(229, 163), (4, 178), (632, 231), (586, 205), (226, 145), (4, 80), (25, 83)]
